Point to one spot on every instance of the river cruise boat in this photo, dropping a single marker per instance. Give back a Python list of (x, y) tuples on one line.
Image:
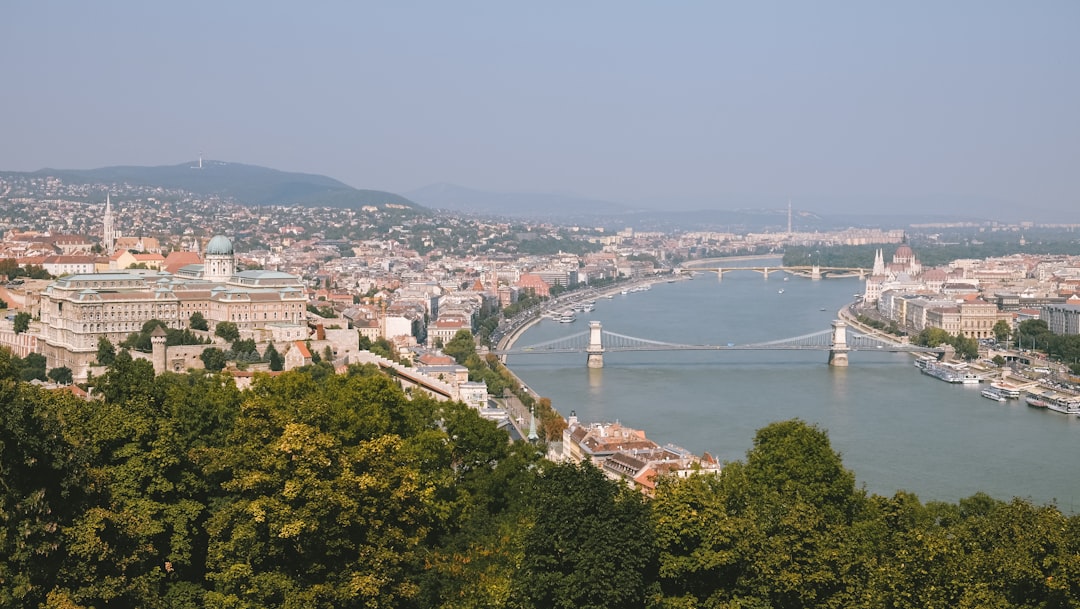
[(993, 394), (566, 318), (940, 371), (1006, 389), (1052, 400)]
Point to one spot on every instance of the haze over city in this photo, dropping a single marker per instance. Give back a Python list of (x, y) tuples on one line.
[(961, 107)]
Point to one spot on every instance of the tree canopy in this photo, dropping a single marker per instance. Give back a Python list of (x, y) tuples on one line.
[(315, 489)]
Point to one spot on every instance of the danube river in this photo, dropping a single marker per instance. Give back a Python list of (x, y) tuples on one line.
[(895, 428)]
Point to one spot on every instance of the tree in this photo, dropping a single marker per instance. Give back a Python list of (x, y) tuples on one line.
[(22, 322), (590, 544), (128, 379), (198, 322), (1002, 330), (329, 499), (106, 351), (461, 346), (271, 355), (33, 367), (213, 358), (966, 347), (61, 375), (228, 331), (43, 488)]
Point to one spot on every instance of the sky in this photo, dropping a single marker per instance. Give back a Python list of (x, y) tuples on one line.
[(855, 105)]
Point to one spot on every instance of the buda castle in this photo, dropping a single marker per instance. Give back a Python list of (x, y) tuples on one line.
[(76, 310)]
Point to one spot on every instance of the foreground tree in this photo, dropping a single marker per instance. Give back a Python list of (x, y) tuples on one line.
[(590, 544)]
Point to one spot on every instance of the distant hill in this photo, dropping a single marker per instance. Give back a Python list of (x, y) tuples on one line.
[(454, 198), (247, 184)]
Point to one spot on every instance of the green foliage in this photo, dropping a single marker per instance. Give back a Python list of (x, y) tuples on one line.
[(271, 355), (1002, 330), (461, 347), (61, 375), (228, 331), (106, 351), (22, 322), (32, 367), (213, 358), (312, 489), (198, 322), (325, 311), (590, 544)]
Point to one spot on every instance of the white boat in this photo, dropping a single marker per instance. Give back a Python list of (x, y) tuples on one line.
[(993, 394), (940, 371), (780, 291), (1058, 402), (1006, 389), (566, 318)]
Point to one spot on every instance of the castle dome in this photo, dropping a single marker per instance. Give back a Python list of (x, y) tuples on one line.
[(219, 246)]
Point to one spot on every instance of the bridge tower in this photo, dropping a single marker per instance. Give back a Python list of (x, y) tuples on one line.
[(720, 275), (765, 271), (838, 352), (815, 272), (596, 347)]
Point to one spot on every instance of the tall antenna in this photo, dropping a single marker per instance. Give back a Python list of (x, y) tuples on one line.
[(789, 217), (200, 159)]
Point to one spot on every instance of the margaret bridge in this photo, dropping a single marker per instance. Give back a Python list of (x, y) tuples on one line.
[(596, 341), (813, 272)]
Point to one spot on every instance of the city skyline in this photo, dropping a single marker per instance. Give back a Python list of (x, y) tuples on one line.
[(837, 106)]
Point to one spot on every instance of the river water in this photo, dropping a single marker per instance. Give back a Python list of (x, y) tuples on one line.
[(894, 427)]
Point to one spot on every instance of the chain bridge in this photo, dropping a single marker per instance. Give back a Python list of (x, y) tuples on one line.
[(838, 342)]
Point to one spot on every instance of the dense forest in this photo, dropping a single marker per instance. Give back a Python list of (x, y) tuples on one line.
[(313, 489)]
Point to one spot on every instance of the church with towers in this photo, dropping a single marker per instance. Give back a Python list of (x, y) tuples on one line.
[(78, 310)]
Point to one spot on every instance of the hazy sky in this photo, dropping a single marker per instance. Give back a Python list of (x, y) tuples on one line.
[(620, 100)]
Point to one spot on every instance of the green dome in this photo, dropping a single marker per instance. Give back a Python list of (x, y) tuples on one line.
[(219, 246)]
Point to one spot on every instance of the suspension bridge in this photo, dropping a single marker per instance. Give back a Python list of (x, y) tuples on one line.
[(837, 341)]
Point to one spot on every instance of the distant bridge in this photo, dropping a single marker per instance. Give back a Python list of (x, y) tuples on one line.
[(596, 341), (810, 271)]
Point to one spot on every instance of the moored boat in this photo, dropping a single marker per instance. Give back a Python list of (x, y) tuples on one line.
[(993, 394), (1006, 389), (941, 372)]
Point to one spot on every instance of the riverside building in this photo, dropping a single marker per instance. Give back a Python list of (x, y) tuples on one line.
[(77, 310)]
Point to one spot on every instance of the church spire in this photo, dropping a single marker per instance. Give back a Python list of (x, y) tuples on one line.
[(108, 234)]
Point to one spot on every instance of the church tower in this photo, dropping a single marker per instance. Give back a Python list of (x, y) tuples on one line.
[(108, 234), (879, 263)]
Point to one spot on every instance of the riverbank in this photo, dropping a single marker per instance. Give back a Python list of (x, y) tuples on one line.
[(568, 300)]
